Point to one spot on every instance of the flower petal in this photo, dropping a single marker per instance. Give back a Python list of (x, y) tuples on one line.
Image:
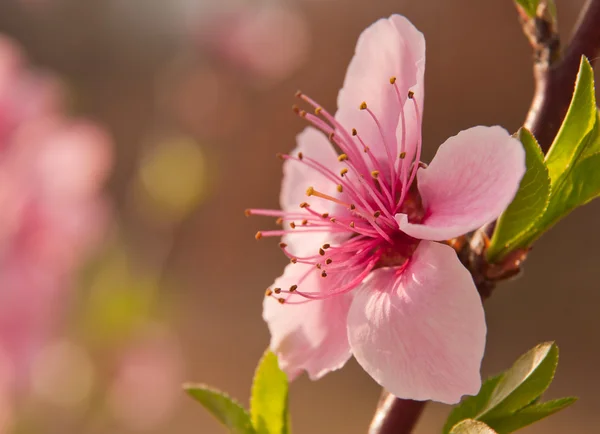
[(472, 179), (390, 47), (297, 177), (421, 335), (310, 336)]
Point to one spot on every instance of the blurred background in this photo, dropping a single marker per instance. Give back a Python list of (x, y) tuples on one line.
[(127, 243)]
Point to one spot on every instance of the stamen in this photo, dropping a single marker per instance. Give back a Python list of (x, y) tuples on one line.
[(310, 191)]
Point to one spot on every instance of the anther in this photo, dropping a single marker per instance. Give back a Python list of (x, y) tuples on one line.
[(422, 165), (354, 132), (281, 300), (326, 246), (321, 252), (342, 157), (293, 260), (329, 261), (300, 156), (318, 110), (363, 105), (268, 293), (366, 149), (332, 220), (279, 221), (324, 274), (352, 206), (392, 80), (325, 215), (283, 245), (298, 94), (277, 290), (292, 225), (304, 222), (318, 266), (375, 174), (304, 205), (302, 113), (293, 288), (280, 156), (310, 191), (411, 94), (352, 224), (247, 213), (343, 171), (331, 137), (296, 109), (340, 188), (402, 155), (258, 235), (377, 214)]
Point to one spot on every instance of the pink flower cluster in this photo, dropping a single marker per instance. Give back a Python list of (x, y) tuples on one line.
[(52, 169), (364, 224)]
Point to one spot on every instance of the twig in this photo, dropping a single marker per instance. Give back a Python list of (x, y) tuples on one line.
[(554, 81)]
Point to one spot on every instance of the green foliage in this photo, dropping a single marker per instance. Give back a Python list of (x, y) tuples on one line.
[(568, 178), (268, 402), (226, 410), (529, 6), (530, 414), (528, 205), (472, 426), (574, 157), (509, 401)]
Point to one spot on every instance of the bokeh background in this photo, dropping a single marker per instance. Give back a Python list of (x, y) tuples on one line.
[(195, 95)]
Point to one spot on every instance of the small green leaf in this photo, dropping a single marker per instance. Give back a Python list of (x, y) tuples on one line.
[(523, 383), (571, 160), (527, 207), (529, 415), (471, 406), (269, 400), (472, 426), (225, 409)]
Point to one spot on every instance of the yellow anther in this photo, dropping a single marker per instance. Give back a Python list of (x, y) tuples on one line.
[(342, 157), (318, 110), (340, 188), (343, 171), (258, 235), (268, 293), (281, 301), (310, 191), (375, 174), (392, 80), (363, 105)]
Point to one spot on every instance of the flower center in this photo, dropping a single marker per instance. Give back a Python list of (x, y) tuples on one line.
[(357, 210)]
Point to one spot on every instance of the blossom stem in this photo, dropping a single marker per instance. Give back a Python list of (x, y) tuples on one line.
[(554, 81)]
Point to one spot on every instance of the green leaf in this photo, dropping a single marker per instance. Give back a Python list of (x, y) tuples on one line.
[(572, 159), (527, 207), (225, 409), (472, 426), (471, 406), (529, 6), (529, 415), (523, 383), (269, 400)]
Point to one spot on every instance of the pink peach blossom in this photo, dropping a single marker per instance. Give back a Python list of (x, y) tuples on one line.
[(368, 276), (52, 169)]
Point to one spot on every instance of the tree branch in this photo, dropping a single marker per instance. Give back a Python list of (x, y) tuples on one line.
[(554, 82)]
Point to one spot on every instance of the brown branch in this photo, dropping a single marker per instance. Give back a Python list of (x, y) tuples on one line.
[(554, 82)]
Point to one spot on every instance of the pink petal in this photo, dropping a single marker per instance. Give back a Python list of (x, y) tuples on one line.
[(310, 336), (421, 336), (297, 177), (389, 48), (472, 179)]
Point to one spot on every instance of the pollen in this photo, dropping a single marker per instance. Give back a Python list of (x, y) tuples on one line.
[(268, 293), (392, 80), (281, 301), (318, 110), (258, 235), (375, 174), (342, 157), (340, 189), (363, 105), (343, 171)]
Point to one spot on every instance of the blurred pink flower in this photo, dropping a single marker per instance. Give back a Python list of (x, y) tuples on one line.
[(270, 41), (367, 276), (52, 169), (148, 380)]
